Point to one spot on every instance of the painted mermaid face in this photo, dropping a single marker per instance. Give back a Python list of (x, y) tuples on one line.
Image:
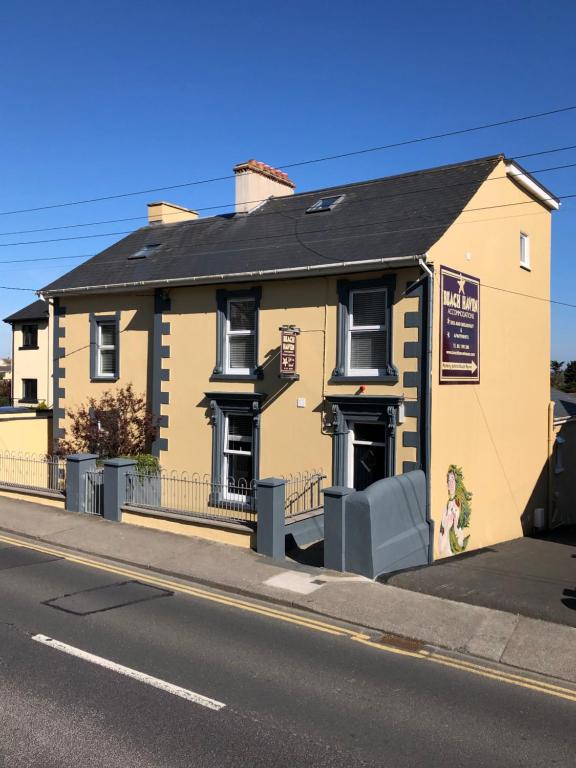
[(451, 484)]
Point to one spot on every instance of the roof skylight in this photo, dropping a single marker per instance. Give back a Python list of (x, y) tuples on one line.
[(145, 251), (325, 204)]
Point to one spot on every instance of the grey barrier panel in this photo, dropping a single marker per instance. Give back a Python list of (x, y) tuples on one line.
[(77, 465), (115, 471), (307, 530), (386, 527), (270, 531), (334, 530)]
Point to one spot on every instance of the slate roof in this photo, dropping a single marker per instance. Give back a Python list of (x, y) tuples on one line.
[(564, 404), (391, 217), (38, 310)]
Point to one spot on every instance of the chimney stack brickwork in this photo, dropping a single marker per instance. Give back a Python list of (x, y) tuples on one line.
[(256, 182)]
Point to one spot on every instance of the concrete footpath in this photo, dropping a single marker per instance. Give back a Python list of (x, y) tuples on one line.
[(538, 646)]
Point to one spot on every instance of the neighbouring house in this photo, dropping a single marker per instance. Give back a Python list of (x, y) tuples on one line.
[(368, 329), (563, 460), (31, 364), (5, 369)]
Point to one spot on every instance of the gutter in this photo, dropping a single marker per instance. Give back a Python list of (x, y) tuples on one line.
[(235, 277)]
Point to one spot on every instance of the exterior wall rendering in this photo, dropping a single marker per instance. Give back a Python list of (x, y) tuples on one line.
[(74, 320), (495, 431)]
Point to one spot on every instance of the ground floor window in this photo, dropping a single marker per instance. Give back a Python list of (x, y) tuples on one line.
[(30, 390), (235, 446), (238, 458)]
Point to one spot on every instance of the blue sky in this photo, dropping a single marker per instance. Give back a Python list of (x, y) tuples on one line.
[(102, 98)]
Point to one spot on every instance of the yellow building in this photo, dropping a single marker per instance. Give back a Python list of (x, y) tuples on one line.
[(409, 300), (31, 364)]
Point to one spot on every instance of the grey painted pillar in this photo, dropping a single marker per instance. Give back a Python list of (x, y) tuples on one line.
[(115, 471), (77, 464), (271, 532), (335, 527)]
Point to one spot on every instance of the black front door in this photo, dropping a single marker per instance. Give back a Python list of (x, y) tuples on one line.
[(368, 460)]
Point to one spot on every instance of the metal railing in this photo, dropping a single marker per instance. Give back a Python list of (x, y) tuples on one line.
[(303, 493), (33, 472), (195, 495), (94, 492)]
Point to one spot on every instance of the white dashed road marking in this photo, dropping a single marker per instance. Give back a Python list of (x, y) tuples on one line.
[(155, 682)]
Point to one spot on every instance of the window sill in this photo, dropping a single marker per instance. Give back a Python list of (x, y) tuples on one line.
[(527, 267), (104, 378), (20, 349), (236, 377), (391, 378)]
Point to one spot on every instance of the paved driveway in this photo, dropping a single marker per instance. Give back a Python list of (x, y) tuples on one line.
[(533, 577)]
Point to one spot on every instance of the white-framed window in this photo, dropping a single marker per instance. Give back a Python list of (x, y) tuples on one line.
[(240, 350), (525, 251), (367, 342), (238, 462), (106, 349)]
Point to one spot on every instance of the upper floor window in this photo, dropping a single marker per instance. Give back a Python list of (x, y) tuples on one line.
[(364, 347), (29, 336), (237, 334), (241, 336), (104, 347), (524, 251), (367, 332)]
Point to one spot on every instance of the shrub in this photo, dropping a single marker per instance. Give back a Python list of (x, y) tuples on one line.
[(118, 424)]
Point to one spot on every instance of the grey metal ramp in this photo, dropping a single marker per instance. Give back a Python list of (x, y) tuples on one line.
[(386, 528)]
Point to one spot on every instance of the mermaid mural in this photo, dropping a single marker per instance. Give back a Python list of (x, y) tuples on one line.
[(456, 517)]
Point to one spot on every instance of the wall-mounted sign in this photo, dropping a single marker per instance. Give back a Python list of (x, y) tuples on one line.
[(288, 335), (459, 328)]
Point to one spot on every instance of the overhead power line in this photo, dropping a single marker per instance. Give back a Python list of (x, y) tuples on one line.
[(364, 200), (323, 159), (309, 232), (305, 205)]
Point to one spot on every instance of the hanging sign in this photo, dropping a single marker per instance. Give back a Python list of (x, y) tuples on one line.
[(288, 335), (459, 328)]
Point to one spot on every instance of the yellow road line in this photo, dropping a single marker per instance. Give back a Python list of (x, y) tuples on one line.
[(306, 622), (526, 682), (508, 675), (165, 583)]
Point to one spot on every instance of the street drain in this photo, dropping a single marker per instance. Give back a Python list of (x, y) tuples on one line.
[(403, 643)]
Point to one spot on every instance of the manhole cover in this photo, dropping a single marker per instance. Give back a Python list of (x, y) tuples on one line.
[(106, 598)]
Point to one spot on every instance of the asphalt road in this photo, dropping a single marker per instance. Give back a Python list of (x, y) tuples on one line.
[(293, 696)]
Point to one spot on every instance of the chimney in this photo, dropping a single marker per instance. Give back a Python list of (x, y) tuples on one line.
[(169, 213), (257, 181)]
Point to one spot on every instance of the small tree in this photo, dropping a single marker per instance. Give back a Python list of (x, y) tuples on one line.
[(5, 390), (118, 424), (570, 376), (556, 374)]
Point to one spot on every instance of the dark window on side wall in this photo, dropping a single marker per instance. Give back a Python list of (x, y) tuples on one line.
[(29, 335), (30, 390)]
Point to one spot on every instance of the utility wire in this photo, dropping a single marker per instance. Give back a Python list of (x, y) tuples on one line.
[(263, 200), (309, 232), (325, 158)]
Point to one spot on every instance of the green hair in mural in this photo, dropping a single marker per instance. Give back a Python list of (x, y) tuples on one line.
[(456, 517), (462, 496)]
